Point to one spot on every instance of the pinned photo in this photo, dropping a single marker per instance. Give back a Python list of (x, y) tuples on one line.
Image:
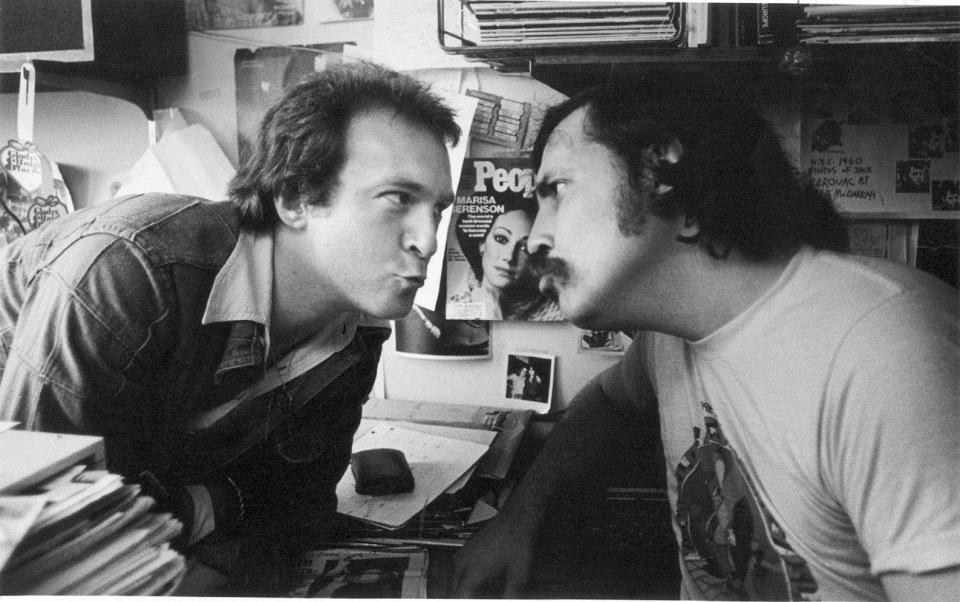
[(608, 341), (529, 378), (426, 334)]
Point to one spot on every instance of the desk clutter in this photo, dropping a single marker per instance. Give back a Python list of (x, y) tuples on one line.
[(458, 455), (76, 529)]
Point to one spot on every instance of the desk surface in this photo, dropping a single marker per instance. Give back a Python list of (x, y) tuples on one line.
[(594, 545)]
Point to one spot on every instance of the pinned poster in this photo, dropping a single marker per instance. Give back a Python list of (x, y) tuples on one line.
[(885, 165)]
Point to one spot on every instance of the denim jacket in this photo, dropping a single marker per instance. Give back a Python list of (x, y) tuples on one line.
[(101, 332)]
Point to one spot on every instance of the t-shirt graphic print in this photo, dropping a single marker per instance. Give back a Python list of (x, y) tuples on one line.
[(731, 547)]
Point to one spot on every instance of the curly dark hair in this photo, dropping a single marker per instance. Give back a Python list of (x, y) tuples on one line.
[(710, 158), (302, 140)]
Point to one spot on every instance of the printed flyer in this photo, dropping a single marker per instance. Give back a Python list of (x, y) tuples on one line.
[(884, 165), (487, 271)]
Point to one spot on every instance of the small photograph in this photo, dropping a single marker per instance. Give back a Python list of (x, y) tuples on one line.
[(946, 195), (242, 14), (913, 176), (530, 378), (354, 9), (926, 142), (609, 341), (426, 334), (951, 136), (827, 136)]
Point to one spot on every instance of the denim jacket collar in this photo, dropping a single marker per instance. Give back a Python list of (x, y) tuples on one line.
[(243, 288), (241, 296)]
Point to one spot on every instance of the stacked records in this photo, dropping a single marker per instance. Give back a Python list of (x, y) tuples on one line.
[(86, 532), (860, 24), (559, 23)]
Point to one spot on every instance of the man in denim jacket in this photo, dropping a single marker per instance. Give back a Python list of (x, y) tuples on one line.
[(224, 350)]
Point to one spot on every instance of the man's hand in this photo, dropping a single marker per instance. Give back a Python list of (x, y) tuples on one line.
[(501, 552)]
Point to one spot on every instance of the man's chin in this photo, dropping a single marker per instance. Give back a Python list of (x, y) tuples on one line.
[(582, 315), (394, 309)]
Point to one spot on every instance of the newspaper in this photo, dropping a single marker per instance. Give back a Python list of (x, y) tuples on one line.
[(361, 573)]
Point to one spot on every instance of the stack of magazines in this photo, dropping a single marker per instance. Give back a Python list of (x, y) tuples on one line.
[(860, 24), (86, 532), (558, 23)]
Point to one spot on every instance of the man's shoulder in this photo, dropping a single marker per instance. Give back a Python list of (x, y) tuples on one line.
[(170, 228), (162, 229), (893, 276)]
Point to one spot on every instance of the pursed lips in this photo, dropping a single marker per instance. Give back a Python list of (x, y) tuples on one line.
[(417, 279)]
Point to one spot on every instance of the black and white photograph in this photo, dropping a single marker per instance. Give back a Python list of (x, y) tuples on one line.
[(945, 195), (529, 378), (242, 14), (480, 299), (427, 334), (913, 176), (354, 9), (595, 340)]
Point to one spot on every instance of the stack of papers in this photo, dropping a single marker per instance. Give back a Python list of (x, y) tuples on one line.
[(85, 532), (440, 458)]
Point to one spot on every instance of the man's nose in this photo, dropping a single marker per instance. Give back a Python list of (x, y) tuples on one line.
[(540, 240), (421, 235)]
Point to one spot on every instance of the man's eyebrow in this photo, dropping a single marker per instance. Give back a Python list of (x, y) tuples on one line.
[(417, 187)]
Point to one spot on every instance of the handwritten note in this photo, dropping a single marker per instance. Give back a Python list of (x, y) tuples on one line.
[(436, 463)]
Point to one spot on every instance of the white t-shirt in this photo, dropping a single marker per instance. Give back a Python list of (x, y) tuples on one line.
[(827, 442)]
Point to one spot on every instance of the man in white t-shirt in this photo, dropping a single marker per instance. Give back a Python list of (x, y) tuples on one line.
[(809, 401)]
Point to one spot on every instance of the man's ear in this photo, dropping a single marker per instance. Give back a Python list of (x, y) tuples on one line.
[(690, 228), (293, 213)]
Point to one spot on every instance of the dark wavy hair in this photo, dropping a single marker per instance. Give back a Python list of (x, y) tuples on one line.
[(733, 178), (302, 139)]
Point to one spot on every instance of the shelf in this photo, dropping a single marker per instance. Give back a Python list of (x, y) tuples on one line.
[(56, 76), (765, 73)]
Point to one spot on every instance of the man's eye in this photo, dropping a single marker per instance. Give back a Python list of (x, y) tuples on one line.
[(550, 190), (398, 197)]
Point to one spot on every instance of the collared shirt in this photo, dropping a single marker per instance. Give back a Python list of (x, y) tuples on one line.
[(243, 291)]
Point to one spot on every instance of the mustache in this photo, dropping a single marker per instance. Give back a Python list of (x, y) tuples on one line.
[(542, 266)]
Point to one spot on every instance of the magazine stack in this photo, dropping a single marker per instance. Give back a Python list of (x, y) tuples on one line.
[(522, 22), (84, 531), (828, 24)]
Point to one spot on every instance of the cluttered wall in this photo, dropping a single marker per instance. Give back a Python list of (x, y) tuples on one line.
[(106, 146)]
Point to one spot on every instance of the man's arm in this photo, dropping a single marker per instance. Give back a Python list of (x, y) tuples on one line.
[(504, 548)]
